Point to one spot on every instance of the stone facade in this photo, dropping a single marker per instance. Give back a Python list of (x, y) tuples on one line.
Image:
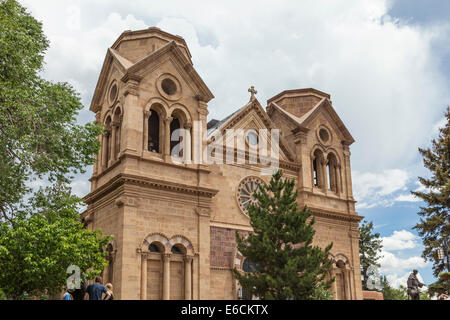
[(174, 223)]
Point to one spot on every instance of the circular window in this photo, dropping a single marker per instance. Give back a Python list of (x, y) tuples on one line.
[(113, 93), (169, 86), (324, 135), (252, 138), (246, 192)]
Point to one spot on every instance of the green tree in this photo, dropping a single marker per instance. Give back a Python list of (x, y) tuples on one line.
[(390, 293), (40, 141), (39, 135), (35, 254), (370, 246), (288, 266), (434, 225)]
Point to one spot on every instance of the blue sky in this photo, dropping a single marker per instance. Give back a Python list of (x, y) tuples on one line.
[(384, 62)]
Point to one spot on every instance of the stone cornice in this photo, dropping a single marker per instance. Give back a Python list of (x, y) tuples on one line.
[(335, 215), (123, 178)]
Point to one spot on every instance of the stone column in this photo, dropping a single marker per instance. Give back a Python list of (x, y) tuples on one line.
[(113, 142), (143, 276), (202, 114), (337, 170), (334, 285), (347, 172), (187, 278), (346, 275), (323, 170), (131, 137), (187, 145), (195, 278), (166, 277), (167, 122), (145, 130), (305, 174), (104, 149)]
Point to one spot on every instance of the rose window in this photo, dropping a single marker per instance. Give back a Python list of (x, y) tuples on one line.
[(246, 192)]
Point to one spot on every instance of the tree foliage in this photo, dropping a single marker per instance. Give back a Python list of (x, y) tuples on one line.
[(370, 246), (289, 266), (39, 135), (41, 143), (35, 254), (434, 225)]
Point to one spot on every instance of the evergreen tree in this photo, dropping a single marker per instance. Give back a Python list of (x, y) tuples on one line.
[(280, 246), (434, 225), (370, 246)]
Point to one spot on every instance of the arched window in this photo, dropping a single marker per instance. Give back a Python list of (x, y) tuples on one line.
[(176, 250), (116, 132), (154, 248), (318, 173), (174, 135), (341, 281), (249, 266), (153, 132)]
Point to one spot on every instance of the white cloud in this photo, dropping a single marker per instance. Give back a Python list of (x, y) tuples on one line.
[(396, 281), (400, 240), (376, 189), (383, 76), (393, 264), (403, 261)]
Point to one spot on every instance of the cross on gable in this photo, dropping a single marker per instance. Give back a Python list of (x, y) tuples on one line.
[(253, 92)]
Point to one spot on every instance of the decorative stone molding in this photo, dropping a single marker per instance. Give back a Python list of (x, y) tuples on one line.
[(123, 178), (204, 212), (131, 84)]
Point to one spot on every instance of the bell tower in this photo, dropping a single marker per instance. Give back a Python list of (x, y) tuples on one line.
[(147, 89)]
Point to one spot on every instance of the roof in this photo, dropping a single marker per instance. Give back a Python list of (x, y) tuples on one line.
[(294, 92), (303, 121), (129, 68), (147, 33)]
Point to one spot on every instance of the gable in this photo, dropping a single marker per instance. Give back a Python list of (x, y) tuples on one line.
[(172, 52), (252, 116), (327, 112), (129, 69)]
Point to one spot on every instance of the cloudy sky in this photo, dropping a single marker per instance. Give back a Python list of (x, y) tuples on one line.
[(384, 62)]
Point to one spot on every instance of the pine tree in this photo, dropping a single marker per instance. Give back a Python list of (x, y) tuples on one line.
[(280, 246), (369, 250), (434, 225)]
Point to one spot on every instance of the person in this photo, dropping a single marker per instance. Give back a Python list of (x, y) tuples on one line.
[(67, 295), (79, 293), (110, 295), (95, 291), (413, 285), (443, 296)]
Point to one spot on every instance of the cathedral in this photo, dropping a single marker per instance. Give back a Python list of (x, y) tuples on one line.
[(162, 186)]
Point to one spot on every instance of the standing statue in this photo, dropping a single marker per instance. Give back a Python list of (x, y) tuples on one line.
[(413, 286)]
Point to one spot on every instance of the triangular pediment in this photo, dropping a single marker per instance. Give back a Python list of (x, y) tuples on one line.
[(128, 69), (252, 117), (113, 61), (325, 109), (173, 53)]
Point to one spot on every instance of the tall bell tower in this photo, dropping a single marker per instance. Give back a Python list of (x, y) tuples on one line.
[(157, 210)]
